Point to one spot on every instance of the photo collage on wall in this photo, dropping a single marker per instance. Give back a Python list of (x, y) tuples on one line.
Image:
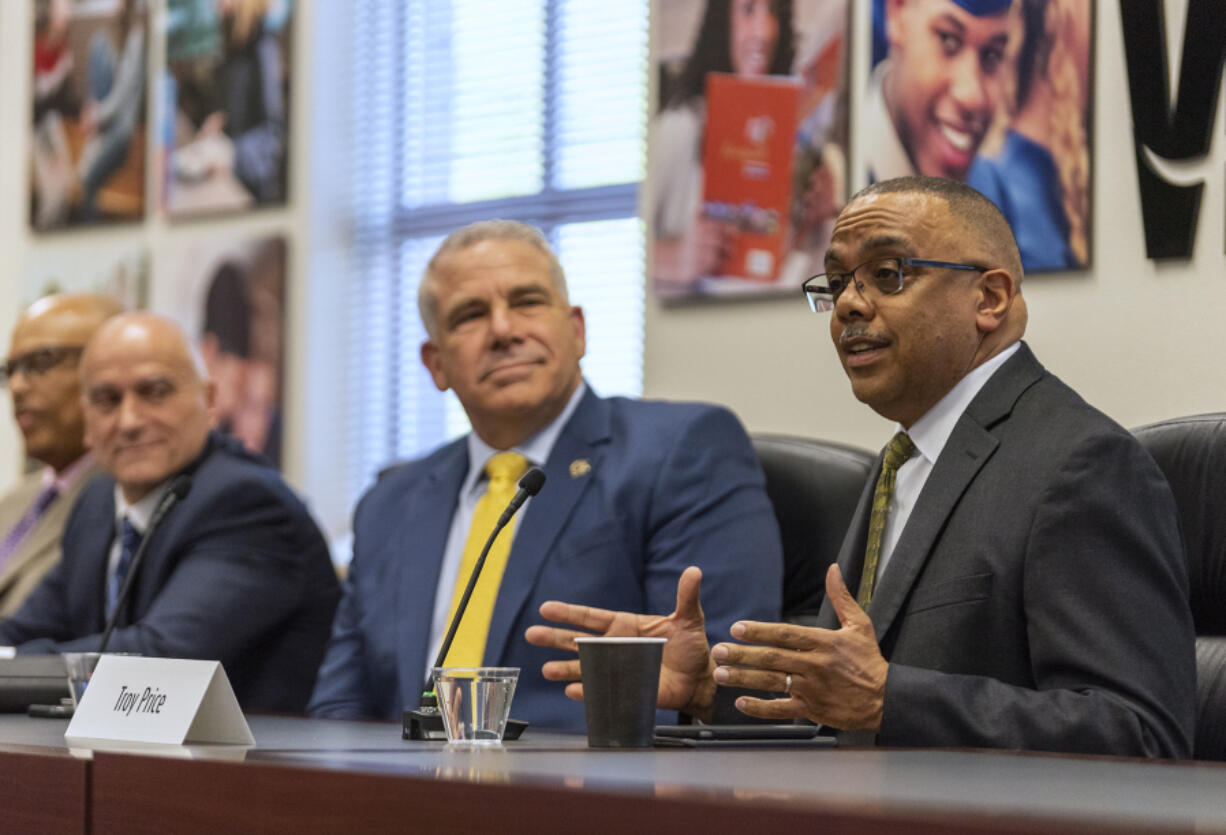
[(222, 144), (750, 142), (214, 131)]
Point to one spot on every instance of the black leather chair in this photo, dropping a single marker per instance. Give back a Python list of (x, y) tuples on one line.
[(1192, 453), (814, 487)]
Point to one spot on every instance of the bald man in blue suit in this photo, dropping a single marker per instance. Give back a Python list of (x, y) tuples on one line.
[(635, 492)]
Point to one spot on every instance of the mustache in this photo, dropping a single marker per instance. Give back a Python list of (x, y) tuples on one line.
[(859, 330)]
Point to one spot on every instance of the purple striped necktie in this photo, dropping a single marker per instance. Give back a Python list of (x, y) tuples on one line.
[(26, 523)]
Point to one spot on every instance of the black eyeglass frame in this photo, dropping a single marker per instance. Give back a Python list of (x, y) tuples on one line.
[(37, 362), (831, 295)]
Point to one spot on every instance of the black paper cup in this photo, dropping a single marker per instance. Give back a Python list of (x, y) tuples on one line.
[(620, 680)]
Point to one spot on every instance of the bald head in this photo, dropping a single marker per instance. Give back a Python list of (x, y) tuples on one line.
[(148, 405), (46, 345), (75, 315), (150, 335)]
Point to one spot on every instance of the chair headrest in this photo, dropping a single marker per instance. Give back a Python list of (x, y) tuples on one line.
[(814, 486), (1191, 451), (1210, 699)]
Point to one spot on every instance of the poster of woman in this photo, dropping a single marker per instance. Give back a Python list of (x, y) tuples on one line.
[(747, 151), (995, 93)]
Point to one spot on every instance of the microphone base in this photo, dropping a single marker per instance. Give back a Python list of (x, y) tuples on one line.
[(427, 723)]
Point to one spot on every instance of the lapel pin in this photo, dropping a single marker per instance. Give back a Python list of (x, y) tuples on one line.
[(580, 467)]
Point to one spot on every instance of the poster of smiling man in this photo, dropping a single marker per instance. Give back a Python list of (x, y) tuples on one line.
[(747, 151), (995, 93)]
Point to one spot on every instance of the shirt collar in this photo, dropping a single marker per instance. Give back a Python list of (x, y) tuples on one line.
[(67, 478), (536, 448), (138, 512), (933, 429)]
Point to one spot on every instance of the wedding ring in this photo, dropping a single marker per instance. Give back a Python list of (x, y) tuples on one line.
[(787, 684)]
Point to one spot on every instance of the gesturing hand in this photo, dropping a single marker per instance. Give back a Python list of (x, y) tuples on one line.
[(837, 676), (685, 672)]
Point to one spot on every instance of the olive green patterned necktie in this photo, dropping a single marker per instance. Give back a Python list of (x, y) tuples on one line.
[(897, 451)]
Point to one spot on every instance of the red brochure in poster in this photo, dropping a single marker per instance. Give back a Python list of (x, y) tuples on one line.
[(747, 167)]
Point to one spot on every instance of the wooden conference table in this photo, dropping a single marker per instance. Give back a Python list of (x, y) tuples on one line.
[(324, 776)]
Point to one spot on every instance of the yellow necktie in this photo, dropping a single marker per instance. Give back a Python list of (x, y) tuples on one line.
[(503, 469), (897, 451)]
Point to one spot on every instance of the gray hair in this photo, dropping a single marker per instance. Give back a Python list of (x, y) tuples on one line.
[(471, 235)]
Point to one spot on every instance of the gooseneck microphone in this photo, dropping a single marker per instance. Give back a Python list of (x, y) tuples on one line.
[(426, 722), (178, 489), (529, 485)]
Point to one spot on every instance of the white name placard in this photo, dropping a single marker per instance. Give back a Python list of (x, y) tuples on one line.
[(159, 700)]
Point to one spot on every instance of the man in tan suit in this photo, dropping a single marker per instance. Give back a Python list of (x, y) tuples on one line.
[(41, 375)]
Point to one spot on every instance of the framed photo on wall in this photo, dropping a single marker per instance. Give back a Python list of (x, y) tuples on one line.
[(995, 93), (748, 146), (226, 89), (87, 146), (229, 295), (117, 270)]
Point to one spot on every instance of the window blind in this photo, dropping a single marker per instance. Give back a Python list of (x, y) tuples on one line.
[(466, 110)]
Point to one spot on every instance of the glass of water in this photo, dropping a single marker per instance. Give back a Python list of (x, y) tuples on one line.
[(475, 702)]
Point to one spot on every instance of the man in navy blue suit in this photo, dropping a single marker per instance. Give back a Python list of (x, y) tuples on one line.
[(236, 572), (635, 491)]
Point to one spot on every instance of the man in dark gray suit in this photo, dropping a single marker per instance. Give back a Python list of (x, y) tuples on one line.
[(1017, 559)]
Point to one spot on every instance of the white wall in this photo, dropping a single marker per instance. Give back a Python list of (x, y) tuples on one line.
[(1142, 341)]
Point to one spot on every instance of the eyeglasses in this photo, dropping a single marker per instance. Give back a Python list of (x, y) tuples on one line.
[(37, 362), (879, 277)]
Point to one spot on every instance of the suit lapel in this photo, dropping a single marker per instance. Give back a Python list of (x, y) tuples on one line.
[(20, 501), (50, 528), (547, 517), (428, 508), (851, 554), (964, 454), (47, 532), (96, 515), (162, 544), (969, 447)]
